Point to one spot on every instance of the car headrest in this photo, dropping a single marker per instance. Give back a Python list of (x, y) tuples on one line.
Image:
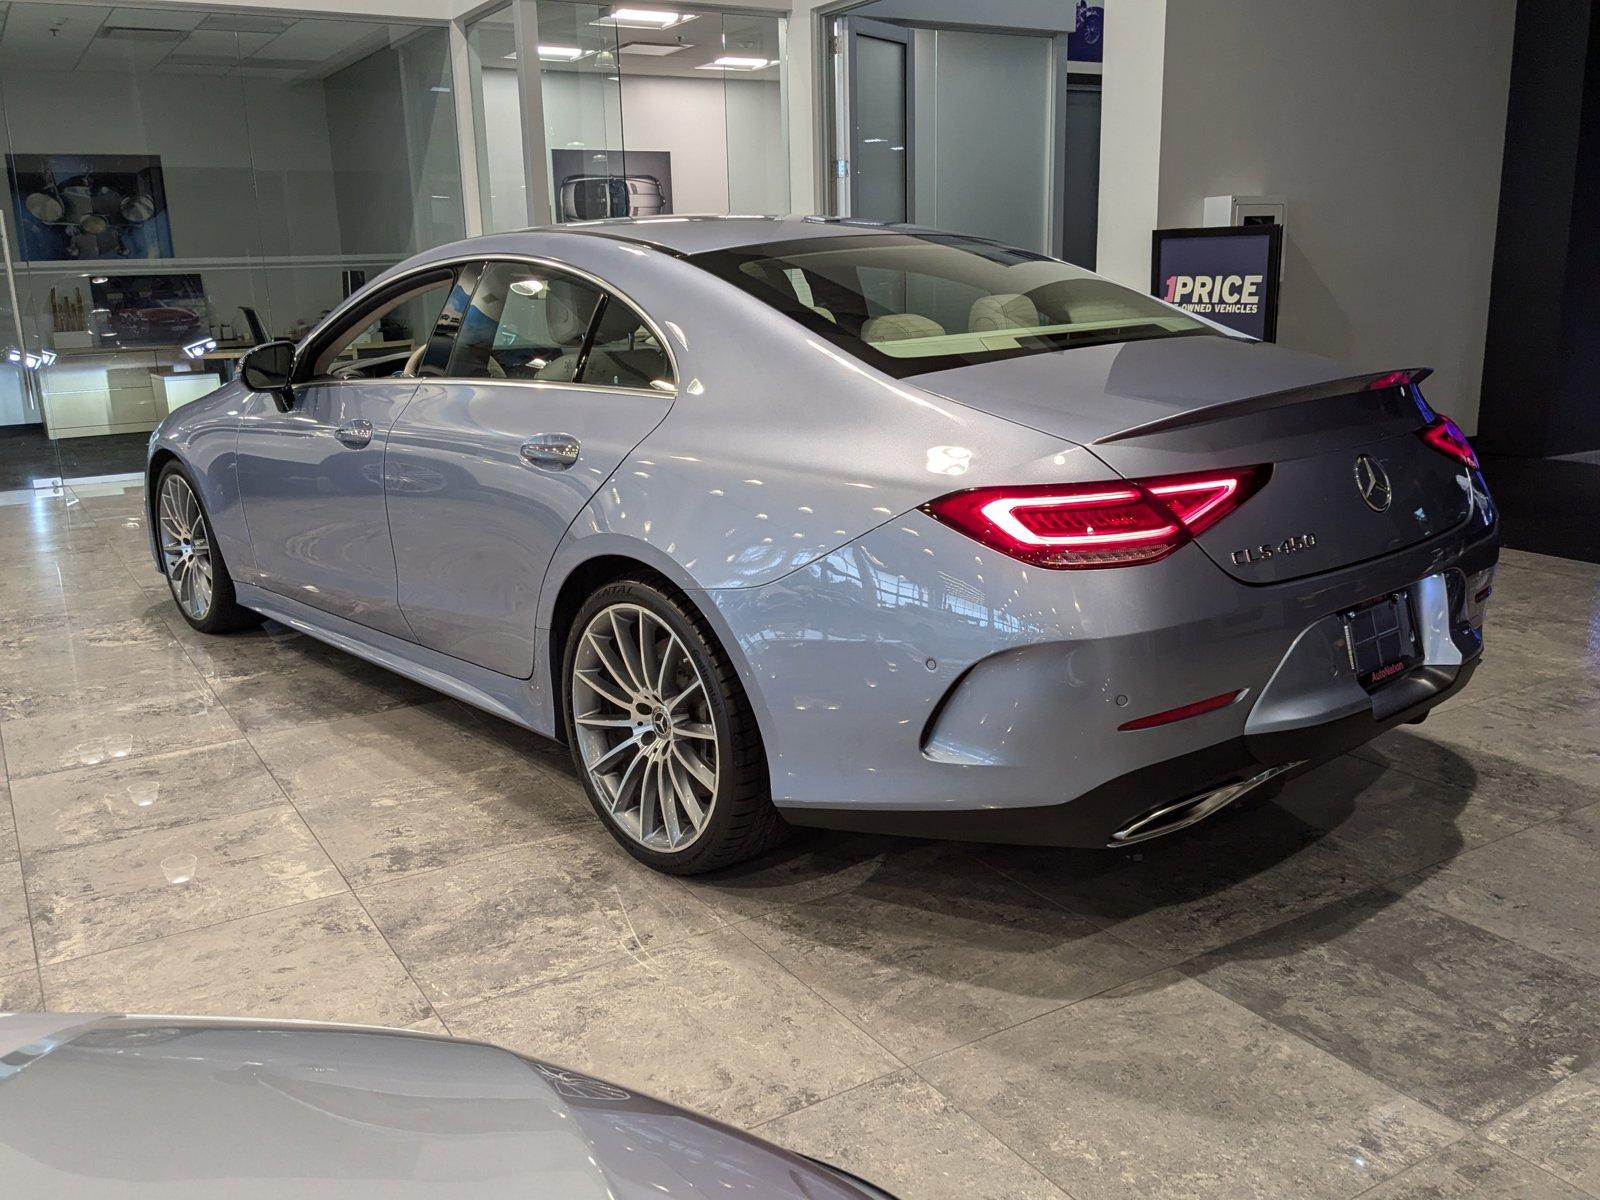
[(897, 327), (1013, 311), (566, 313)]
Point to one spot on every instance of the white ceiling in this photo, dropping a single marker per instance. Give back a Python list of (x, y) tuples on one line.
[(44, 37), (57, 37), (707, 37)]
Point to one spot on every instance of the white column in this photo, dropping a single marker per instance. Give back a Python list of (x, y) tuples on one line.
[(1130, 138), (468, 135), (535, 155)]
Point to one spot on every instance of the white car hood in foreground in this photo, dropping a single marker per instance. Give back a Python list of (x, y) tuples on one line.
[(190, 1107)]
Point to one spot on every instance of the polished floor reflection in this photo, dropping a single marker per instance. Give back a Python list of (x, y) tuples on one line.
[(1387, 983)]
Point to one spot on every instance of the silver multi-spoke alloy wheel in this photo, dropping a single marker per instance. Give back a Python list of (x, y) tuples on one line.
[(642, 719), (185, 547)]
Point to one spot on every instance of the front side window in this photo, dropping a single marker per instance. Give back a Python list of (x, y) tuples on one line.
[(388, 339), (524, 322), (533, 322), (913, 303)]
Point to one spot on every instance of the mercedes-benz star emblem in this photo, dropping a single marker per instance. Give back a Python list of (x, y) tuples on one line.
[(1372, 481)]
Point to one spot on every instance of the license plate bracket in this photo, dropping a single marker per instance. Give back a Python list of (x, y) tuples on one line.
[(1381, 636)]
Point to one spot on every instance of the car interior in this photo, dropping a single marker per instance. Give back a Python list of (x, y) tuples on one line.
[(901, 312), (522, 323)]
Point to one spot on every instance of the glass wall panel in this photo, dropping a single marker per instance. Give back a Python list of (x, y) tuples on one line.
[(177, 177), (758, 150), (497, 119), (680, 111), (583, 128), (979, 165)]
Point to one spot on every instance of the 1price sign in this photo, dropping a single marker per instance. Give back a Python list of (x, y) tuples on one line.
[(1227, 273)]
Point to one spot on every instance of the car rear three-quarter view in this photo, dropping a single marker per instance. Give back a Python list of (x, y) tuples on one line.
[(806, 522)]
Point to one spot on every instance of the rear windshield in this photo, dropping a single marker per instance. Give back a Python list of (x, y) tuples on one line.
[(911, 303)]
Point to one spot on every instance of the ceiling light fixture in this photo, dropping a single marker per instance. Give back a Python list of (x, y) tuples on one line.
[(653, 49), (735, 62), (643, 18), (556, 54)]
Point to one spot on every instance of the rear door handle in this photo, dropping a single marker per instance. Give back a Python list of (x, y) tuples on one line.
[(354, 434), (552, 451)]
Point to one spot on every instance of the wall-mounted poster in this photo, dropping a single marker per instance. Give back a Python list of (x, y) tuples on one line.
[(591, 184), (72, 206), (1086, 42), (1228, 273), (149, 310)]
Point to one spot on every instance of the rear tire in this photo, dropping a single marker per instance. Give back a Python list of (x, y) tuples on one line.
[(662, 734), (196, 574)]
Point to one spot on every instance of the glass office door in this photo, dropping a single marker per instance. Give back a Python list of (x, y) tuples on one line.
[(879, 120)]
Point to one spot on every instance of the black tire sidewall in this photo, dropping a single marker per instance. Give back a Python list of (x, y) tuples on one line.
[(634, 591)]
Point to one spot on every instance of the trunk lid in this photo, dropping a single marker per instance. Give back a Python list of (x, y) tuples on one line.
[(1194, 404)]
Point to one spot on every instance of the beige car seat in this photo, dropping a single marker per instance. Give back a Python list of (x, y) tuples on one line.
[(897, 327), (993, 313)]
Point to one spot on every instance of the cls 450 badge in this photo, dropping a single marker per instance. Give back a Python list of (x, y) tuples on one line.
[(1289, 545)]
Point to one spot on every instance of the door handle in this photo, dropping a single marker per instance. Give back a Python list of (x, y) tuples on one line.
[(354, 434), (552, 451)]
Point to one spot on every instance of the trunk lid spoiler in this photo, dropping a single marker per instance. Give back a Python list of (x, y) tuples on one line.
[(1268, 401)]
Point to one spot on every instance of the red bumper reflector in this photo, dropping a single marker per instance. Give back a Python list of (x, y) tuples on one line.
[(1183, 711)]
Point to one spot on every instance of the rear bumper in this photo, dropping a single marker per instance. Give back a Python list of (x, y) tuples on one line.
[(1093, 818), (909, 684)]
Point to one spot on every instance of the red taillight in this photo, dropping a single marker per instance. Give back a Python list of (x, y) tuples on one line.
[(1182, 713), (1074, 526), (1389, 380), (1445, 436)]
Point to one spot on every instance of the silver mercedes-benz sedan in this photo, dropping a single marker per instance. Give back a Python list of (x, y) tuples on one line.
[(803, 522), (98, 1107)]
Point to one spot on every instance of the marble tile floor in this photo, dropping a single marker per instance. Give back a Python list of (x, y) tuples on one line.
[(1385, 983)]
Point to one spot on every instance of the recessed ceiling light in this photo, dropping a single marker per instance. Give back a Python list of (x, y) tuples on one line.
[(735, 62), (643, 18), (656, 49), (556, 54)]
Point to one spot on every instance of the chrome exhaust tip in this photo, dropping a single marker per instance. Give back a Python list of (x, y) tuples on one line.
[(1180, 814)]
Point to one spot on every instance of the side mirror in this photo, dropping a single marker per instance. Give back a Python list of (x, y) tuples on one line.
[(268, 368)]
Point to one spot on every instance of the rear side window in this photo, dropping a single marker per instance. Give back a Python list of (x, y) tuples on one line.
[(624, 353)]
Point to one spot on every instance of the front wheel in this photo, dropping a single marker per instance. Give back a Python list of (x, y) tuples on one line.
[(196, 574), (662, 734)]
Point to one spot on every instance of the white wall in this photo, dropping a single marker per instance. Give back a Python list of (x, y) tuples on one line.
[(506, 202), (1130, 137), (1381, 121)]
